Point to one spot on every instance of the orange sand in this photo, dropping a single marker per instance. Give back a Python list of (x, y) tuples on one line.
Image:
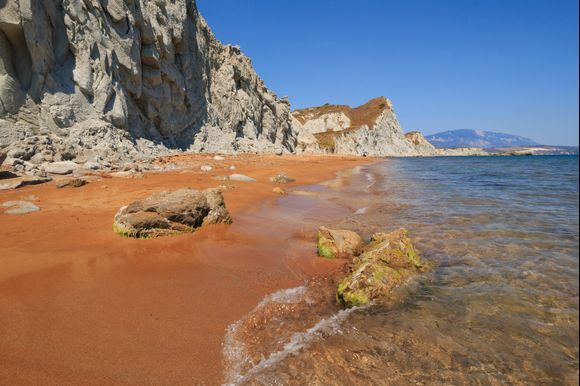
[(82, 305)]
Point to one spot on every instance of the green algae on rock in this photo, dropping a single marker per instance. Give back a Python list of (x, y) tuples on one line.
[(387, 261), (336, 244), (171, 213)]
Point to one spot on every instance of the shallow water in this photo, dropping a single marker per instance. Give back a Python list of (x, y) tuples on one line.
[(500, 306)]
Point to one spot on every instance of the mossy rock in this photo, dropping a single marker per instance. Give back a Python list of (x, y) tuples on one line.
[(387, 262), (333, 244)]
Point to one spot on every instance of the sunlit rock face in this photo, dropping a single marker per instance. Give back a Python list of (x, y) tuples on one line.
[(371, 129), (152, 69)]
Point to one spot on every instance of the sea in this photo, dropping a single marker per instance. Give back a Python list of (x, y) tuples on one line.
[(499, 306)]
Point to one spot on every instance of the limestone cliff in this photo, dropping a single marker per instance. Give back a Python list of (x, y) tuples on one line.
[(371, 129), (145, 74), (421, 144)]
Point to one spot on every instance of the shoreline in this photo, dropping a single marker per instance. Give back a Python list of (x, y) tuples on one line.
[(84, 304)]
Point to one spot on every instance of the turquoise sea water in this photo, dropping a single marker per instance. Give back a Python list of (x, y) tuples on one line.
[(501, 304)]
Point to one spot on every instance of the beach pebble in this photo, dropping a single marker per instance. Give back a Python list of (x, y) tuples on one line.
[(242, 178), (282, 178), (279, 191), (20, 207), (218, 158)]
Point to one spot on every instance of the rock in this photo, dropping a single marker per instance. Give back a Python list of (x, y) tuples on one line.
[(24, 181), (60, 168), (147, 75), (337, 244), (279, 191), (206, 168), (71, 183), (242, 178), (368, 130), (128, 174), (20, 207), (171, 213), (420, 143), (386, 262), (2, 157), (282, 178), (92, 165)]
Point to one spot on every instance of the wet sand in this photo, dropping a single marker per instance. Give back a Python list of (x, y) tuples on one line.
[(82, 305)]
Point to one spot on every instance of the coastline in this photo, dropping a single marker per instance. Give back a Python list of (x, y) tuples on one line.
[(81, 303)]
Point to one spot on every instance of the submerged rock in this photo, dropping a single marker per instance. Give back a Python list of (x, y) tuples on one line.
[(282, 178), (171, 213), (333, 244), (388, 260)]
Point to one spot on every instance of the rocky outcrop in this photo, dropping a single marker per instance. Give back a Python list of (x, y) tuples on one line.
[(337, 244), (371, 129), (420, 143), (171, 213), (387, 261), (133, 77)]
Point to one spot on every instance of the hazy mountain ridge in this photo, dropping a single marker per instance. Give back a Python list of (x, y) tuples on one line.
[(478, 138)]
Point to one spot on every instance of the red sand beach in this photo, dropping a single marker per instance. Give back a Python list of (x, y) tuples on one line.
[(82, 305)]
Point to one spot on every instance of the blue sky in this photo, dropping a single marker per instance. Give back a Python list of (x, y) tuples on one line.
[(508, 66)]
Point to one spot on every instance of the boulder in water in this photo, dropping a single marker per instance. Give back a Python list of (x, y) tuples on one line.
[(333, 244), (171, 213), (388, 260)]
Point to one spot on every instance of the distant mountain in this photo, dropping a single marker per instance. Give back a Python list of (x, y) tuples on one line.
[(477, 138)]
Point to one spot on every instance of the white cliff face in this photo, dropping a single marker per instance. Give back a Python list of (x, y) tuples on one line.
[(337, 121), (421, 144), (149, 69), (305, 141), (371, 129), (384, 139)]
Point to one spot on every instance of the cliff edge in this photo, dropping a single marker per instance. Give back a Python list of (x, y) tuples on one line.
[(134, 77)]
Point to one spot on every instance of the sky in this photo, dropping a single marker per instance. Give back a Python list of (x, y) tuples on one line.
[(498, 65)]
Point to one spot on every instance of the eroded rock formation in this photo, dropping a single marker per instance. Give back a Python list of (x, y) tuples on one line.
[(133, 76), (371, 129), (171, 213)]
